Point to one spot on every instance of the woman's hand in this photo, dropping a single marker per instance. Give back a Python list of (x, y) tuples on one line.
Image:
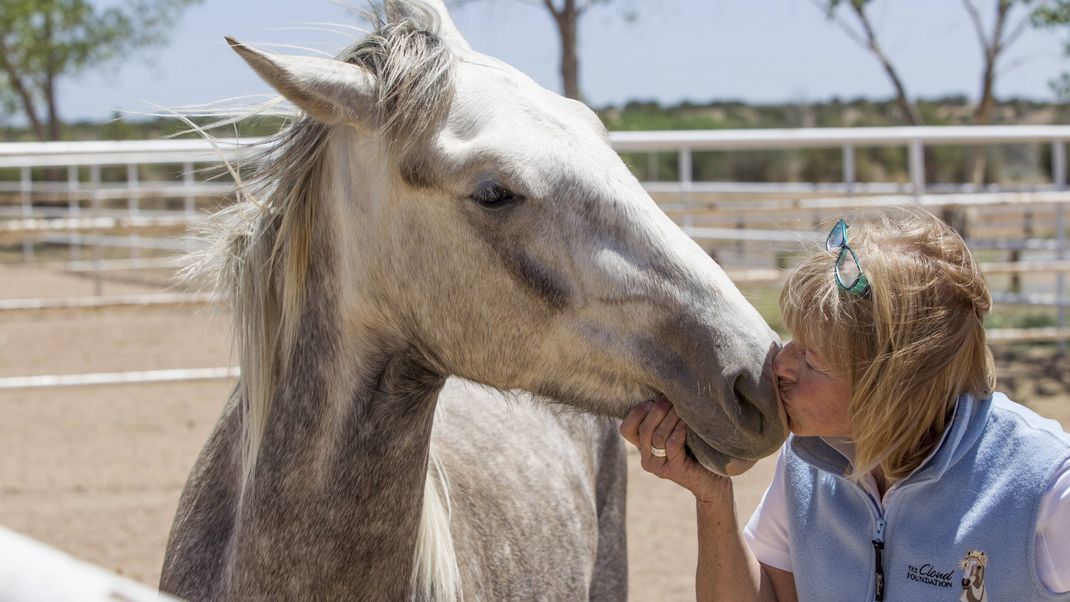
[(655, 425)]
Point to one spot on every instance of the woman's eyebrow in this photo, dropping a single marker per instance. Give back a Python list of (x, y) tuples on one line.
[(815, 355)]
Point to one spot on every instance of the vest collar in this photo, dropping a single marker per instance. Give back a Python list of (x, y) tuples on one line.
[(959, 437)]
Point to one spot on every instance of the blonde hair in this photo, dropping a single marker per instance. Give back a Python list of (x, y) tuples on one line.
[(910, 346)]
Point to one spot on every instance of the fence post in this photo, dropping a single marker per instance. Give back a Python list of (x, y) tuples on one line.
[(1058, 164), (187, 180), (849, 167), (75, 209), (26, 194), (94, 182), (1058, 176), (684, 165), (133, 205), (1060, 278), (916, 159)]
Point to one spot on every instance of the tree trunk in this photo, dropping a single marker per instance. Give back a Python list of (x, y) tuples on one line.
[(20, 90), (986, 103), (982, 116), (567, 18), (907, 108)]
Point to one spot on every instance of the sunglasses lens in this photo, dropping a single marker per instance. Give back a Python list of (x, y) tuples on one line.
[(847, 269), (837, 238)]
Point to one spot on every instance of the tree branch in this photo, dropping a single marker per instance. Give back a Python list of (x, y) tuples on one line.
[(869, 42), (850, 31), (978, 26), (20, 90), (1018, 30), (549, 4), (1019, 61), (998, 42)]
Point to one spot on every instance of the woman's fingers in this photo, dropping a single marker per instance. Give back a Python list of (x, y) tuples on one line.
[(662, 431), (650, 422), (629, 427), (655, 425), (674, 446)]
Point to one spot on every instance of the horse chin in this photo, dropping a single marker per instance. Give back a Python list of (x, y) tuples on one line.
[(713, 460)]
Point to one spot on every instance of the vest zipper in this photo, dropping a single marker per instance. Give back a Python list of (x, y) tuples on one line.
[(878, 558), (878, 546)]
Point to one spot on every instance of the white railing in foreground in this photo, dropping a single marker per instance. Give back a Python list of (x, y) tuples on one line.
[(31, 571)]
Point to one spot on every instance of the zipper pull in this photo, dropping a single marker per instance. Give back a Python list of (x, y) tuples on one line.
[(878, 558), (878, 549)]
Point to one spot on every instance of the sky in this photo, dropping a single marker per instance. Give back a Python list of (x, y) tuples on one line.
[(759, 51)]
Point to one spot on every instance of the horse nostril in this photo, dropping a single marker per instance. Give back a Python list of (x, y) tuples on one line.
[(749, 397)]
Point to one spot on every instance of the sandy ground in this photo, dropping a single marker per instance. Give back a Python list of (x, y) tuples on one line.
[(97, 471)]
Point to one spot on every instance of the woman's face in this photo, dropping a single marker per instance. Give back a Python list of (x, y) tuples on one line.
[(815, 399)]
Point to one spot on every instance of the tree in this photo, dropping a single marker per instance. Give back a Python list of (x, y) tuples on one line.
[(42, 41), (566, 15), (867, 38), (1051, 15), (994, 44)]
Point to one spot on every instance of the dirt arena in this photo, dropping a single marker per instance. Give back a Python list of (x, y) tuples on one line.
[(97, 471)]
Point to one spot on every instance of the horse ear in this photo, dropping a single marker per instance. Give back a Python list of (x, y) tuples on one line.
[(447, 29), (330, 91)]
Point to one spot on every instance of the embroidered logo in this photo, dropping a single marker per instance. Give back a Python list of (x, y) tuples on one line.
[(930, 575), (973, 577)]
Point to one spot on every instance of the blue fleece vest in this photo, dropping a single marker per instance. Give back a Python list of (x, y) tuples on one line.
[(963, 523)]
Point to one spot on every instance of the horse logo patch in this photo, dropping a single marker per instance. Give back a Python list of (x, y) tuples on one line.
[(973, 577)]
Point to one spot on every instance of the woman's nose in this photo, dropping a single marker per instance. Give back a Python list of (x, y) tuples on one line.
[(786, 362)]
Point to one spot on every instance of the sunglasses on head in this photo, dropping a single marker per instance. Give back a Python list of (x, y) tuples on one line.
[(849, 275)]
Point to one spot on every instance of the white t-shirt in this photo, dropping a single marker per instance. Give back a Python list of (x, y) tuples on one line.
[(766, 533)]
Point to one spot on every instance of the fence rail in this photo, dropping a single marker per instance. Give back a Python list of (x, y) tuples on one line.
[(746, 222)]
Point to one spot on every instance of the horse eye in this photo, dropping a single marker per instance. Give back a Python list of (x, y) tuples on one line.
[(494, 196)]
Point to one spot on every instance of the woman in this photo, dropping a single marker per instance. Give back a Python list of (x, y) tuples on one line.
[(905, 476)]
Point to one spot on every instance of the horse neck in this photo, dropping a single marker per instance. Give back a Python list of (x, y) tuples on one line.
[(338, 483)]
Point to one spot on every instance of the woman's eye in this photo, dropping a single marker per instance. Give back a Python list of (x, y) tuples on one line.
[(494, 196)]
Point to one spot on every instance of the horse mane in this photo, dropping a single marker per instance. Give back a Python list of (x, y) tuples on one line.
[(256, 254)]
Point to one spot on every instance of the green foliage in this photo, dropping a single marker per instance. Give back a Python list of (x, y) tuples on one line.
[(1052, 13), (642, 117), (42, 40), (943, 164), (1055, 14), (1021, 317)]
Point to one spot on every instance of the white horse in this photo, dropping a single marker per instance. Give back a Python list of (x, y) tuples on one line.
[(437, 213), (973, 577)]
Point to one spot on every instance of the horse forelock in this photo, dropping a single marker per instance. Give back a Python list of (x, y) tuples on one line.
[(413, 68)]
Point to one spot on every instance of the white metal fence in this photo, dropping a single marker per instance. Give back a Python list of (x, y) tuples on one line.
[(140, 195)]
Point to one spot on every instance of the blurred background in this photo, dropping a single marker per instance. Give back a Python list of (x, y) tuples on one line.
[(753, 123)]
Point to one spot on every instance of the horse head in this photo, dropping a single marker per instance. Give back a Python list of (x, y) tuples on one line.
[(486, 223)]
